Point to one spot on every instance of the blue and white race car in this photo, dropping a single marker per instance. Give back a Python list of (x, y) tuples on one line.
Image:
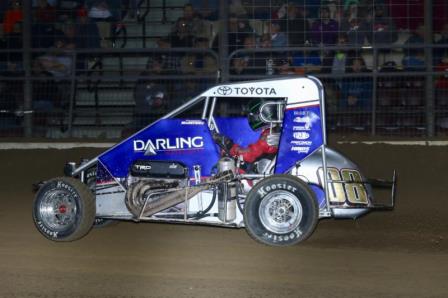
[(194, 165)]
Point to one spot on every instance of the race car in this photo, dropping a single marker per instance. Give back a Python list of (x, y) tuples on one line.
[(177, 170)]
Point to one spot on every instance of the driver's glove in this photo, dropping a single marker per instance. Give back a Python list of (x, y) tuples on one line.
[(223, 141)]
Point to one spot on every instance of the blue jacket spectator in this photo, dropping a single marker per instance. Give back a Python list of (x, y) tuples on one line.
[(324, 30), (379, 28), (356, 92)]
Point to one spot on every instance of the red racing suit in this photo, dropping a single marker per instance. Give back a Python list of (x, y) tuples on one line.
[(255, 150)]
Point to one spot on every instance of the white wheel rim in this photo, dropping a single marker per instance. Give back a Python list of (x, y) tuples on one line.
[(58, 210), (280, 212)]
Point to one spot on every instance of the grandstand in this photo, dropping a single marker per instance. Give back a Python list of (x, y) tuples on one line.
[(105, 68)]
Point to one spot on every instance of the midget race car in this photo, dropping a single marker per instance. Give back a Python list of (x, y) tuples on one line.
[(174, 170)]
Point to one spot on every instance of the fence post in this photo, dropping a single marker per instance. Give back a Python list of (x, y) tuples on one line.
[(27, 84), (429, 88), (223, 39), (73, 81), (374, 89)]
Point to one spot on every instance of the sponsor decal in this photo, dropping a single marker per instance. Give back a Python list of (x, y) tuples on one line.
[(301, 128), (224, 90), (192, 122), (299, 149), (265, 189), (168, 144), (68, 188), (306, 120), (301, 135), (143, 167), (44, 229), (227, 90), (302, 143), (280, 238), (351, 191)]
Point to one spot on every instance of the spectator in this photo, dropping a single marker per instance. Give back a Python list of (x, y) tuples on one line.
[(57, 62), (239, 29), (199, 63), (44, 13), (195, 23), (150, 95), (46, 94), (352, 28), (4, 5), (237, 8), (336, 10), (415, 58), (87, 34), (440, 53), (378, 27), (104, 10), (309, 7), (12, 16), (284, 67), (255, 63), (296, 26), (14, 42), (278, 38), (181, 37), (11, 97), (324, 30), (239, 66), (267, 60), (340, 58), (170, 60), (207, 9), (351, 10), (356, 92), (104, 13), (306, 62), (442, 82), (43, 29)]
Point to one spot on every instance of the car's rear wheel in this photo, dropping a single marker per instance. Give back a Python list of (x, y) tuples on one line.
[(280, 210), (64, 209)]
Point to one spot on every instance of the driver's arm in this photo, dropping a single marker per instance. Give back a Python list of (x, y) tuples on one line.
[(255, 150)]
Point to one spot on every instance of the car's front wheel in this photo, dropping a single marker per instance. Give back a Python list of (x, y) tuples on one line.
[(64, 209), (280, 210)]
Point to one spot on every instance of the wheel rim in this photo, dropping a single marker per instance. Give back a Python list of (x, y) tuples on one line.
[(280, 212), (58, 210)]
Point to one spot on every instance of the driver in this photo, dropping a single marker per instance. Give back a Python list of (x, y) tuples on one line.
[(268, 141)]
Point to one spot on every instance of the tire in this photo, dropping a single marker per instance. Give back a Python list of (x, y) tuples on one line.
[(64, 209), (91, 183), (281, 210)]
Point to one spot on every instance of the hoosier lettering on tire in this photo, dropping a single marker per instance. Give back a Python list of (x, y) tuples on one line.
[(280, 210), (64, 209)]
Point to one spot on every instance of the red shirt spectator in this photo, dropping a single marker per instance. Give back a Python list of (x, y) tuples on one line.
[(442, 81), (12, 16)]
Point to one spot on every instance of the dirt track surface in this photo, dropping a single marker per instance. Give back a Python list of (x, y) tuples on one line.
[(403, 253)]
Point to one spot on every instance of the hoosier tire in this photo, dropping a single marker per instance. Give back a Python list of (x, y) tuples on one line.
[(64, 209), (281, 210)]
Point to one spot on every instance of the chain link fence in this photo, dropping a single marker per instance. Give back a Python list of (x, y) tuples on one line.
[(73, 68)]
